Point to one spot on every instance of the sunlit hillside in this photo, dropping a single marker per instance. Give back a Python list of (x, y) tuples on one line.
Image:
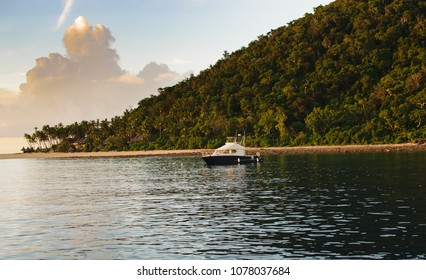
[(352, 72)]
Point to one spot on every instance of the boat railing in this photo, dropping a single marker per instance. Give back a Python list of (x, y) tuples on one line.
[(232, 139), (238, 139)]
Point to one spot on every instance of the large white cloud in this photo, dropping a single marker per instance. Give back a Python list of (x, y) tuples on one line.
[(85, 83)]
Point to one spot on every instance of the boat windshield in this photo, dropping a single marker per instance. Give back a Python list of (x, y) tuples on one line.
[(224, 152)]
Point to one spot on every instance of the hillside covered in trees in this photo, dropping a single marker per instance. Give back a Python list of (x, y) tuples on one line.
[(351, 73)]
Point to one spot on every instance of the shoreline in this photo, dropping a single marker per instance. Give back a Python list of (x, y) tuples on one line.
[(407, 147)]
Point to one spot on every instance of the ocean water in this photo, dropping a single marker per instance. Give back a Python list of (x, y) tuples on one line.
[(337, 206)]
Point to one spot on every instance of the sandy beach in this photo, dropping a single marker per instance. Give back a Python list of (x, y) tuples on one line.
[(408, 147)]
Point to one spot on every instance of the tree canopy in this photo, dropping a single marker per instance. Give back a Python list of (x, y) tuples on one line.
[(351, 73)]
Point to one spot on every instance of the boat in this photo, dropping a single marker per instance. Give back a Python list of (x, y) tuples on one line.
[(233, 152)]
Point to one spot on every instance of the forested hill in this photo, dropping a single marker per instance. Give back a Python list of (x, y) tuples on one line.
[(352, 72)]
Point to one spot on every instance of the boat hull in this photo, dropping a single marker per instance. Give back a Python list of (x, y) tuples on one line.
[(229, 160)]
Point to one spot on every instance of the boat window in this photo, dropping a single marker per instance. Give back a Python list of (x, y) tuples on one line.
[(224, 152)]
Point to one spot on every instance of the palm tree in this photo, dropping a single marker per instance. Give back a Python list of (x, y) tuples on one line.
[(30, 139)]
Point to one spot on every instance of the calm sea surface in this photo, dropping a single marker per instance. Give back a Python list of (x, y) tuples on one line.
[(342, 206)]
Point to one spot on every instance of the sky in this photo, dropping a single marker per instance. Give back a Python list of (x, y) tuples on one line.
[(69, 60)]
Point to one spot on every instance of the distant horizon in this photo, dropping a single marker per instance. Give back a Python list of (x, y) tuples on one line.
[(11, 145)]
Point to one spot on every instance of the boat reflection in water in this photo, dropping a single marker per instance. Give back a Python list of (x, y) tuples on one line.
[(233, 152)]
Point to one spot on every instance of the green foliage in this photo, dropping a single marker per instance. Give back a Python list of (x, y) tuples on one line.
[(353, 72), (320, 121)]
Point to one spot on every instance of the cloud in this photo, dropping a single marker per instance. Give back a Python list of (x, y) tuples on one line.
[(7, 96), (157, 72), (127, 79), (180, 61), (64, 14), (85, 83)]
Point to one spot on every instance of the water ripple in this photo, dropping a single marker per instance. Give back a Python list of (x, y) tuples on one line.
[(314, 207)]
